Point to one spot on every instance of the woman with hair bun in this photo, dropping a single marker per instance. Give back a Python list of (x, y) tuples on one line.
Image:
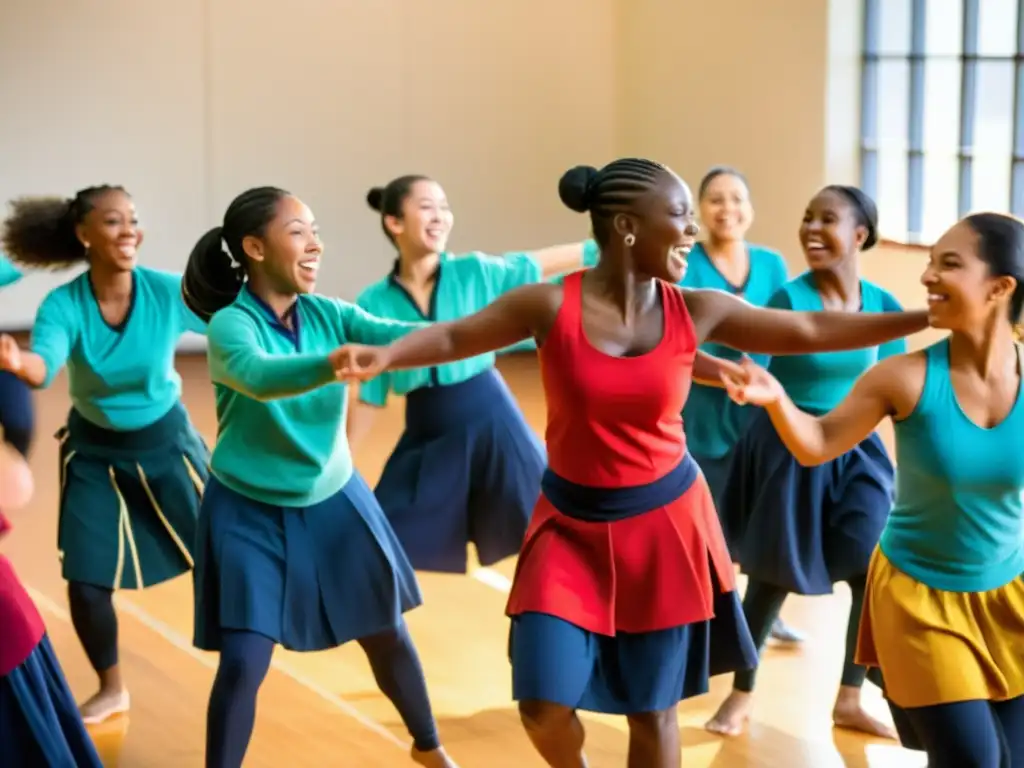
[(798, 529), (467, 467), (293, 549), (39, 722), (132, 467), (624, 599)]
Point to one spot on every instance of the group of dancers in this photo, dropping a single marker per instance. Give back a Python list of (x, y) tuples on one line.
[(624, 599)]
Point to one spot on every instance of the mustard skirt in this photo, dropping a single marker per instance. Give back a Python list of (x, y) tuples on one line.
[(935, 647)]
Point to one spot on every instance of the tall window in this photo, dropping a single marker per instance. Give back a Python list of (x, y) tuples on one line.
[(942, 112)]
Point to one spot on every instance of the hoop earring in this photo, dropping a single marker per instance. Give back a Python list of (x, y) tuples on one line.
[(629, 240)]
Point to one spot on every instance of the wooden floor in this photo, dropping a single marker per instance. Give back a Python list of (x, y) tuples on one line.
[(323, 709)]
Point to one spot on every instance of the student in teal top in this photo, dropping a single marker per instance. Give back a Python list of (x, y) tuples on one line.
[(800, 529), (944, 612), (463, 429), (725, 261), (132, 467), (292, 549), (17, 420)]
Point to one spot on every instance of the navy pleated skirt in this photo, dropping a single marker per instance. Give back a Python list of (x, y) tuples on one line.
[(804, 528), (557, 661), (308, 578), (17, 415), (39, 720), (553, 660), (466, 469), (129, 500)]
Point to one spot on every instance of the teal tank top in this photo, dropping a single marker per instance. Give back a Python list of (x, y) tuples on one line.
[(958, 522)]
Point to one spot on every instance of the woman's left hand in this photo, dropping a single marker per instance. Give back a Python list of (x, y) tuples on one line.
[(750, 384)]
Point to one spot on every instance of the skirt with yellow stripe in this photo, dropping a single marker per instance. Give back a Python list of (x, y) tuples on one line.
[(937, 647), (129, 501)]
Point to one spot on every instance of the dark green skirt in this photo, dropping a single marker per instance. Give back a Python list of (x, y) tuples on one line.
[(129, 500)]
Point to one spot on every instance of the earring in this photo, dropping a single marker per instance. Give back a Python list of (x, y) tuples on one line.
[(629, 240)]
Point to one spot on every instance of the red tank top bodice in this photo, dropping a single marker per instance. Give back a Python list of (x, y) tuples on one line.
[(615, 421)]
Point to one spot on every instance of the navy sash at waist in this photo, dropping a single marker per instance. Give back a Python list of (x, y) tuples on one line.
[(607, 505)]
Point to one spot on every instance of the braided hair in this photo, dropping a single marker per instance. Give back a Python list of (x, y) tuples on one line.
[(608, 191), (388, 200), (864, 210), (216, 267), (40, 232)]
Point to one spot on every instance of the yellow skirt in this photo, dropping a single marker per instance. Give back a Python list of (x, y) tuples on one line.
[(937, 647)]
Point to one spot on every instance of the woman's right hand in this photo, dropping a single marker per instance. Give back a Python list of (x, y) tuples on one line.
[(750, 384), (10, 354), (359, 362)]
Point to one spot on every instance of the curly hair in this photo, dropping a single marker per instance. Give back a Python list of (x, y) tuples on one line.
[(40, 231)]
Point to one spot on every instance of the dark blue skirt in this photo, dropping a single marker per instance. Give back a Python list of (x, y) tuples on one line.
[(39, 720), (466, 469), (804, 528), (308, 578), (554, 660), (558, 662), (17, 416)]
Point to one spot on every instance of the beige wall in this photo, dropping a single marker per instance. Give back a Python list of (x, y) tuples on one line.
[(189, 104)]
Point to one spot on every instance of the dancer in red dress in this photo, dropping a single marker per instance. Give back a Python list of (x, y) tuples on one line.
[(624, 600)]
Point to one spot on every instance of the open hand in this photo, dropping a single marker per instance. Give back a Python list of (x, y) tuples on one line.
[(357, 362), (10, 354), (750, 384)]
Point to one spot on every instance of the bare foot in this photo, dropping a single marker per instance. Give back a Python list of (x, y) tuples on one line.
[(435, 758), (848, 713), (732, 716), (106, 703)]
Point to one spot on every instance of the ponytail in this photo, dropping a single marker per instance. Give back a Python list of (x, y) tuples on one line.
[(212, 279), (215, 272)]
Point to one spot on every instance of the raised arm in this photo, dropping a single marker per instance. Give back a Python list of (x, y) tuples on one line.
[(237, 361), (890, 388), (726, 319)]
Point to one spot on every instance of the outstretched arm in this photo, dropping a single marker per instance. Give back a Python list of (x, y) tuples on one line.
[(556, 260), (728, 320), (508, 320), (884, 390), (238, 362)]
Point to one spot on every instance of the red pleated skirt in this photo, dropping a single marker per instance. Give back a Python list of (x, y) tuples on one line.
[(641, 574)]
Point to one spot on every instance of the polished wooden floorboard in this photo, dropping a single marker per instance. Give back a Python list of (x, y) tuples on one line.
[(323, 709)]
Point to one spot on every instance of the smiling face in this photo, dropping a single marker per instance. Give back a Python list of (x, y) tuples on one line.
[(831, 231), (663, 223), (725, 209), (290, 249), (962, 291), (426, 220), (110, 232)]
